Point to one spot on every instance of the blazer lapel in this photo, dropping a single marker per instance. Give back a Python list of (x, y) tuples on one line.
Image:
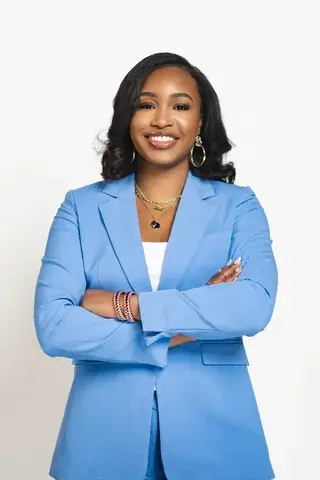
[(196, 209), (120, 217)]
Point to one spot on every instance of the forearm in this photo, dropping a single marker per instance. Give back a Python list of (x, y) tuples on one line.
[(71, 331), (214, 312), (100, 302), (225, 310), (64, 327), (175, 341)]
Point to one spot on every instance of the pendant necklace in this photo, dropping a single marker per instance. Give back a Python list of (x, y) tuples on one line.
[(162, 206), (155, 224)]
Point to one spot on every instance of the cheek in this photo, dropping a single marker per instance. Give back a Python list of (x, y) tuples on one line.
[(138, 123), (188, 124), (133, 126)]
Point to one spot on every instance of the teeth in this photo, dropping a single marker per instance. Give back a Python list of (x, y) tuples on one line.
[(162, 138)]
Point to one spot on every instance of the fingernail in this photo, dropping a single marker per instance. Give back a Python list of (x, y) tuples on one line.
[(238, 260), (230, 261), (238, 269)]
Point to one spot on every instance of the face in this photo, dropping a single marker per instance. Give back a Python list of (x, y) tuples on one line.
[(164, 126)]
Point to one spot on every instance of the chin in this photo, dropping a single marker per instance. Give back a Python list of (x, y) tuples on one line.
[(162, 158), (163, 162)]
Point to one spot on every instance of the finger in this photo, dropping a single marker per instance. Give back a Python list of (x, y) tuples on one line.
[(225, 276), (234, 276), (228, 273), (231, 266)]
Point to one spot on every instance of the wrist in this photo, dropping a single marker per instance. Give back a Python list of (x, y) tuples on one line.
[(134, 304), (126, 306)]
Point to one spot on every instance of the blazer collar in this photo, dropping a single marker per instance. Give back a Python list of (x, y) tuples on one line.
[(205, 187), (196, 209)]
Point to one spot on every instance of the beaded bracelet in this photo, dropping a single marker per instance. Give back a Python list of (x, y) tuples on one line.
[(125, 315), (116, 304), (127, 307)]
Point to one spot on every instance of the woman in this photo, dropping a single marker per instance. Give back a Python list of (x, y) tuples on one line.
[(149, 280)]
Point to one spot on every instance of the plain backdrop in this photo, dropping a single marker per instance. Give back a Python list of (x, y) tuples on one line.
[(61, 65)]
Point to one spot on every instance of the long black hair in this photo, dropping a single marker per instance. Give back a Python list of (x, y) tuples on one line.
[(117, 147)]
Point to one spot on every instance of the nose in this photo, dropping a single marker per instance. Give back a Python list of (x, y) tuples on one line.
[(161, 118)]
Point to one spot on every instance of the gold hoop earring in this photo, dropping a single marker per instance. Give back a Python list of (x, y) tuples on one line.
[(133, 156), (198, 144)]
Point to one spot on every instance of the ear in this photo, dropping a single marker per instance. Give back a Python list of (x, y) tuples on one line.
[(199, 126)]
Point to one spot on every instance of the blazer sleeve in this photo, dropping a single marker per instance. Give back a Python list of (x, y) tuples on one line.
[(63, 327), (224, 310)]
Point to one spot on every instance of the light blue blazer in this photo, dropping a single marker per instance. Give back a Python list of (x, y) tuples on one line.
[(209, 422)]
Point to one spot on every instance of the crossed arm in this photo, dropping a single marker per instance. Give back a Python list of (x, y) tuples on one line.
[(100, 302), (66, 328)]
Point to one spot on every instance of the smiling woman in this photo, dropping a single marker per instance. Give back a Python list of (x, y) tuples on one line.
[(167, 118), (165, 96), (150, 279)]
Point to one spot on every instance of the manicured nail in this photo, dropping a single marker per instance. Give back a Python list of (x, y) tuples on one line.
[(230, 261), (238, 260)]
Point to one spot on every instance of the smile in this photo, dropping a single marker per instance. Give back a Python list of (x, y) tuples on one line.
[(161, 141)]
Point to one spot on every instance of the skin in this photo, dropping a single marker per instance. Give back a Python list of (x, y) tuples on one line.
[(161, 173)]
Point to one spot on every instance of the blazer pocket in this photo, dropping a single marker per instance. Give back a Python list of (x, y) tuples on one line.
[(224, 353), (87, 362)]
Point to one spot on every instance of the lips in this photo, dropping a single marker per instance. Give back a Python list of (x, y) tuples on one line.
[(161, 141)]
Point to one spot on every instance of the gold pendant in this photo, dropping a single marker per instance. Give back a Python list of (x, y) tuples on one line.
[(155, 225)]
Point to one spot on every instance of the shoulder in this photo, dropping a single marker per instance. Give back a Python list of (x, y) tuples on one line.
[(92, 189), (234, 192), (239, 199), (86, 194)]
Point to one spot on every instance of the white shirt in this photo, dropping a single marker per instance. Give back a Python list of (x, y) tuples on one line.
[(154, 254)]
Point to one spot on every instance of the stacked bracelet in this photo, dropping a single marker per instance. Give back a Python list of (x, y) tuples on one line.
[(125, 315), (116, 304), (127, 306)]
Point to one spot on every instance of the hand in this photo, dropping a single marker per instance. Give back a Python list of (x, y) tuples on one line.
[(227, 274), (180, 339)]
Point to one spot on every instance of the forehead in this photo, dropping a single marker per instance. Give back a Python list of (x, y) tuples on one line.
[(170, 79)]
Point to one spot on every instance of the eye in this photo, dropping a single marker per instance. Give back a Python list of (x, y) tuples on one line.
[(182, 106), (147, 106)]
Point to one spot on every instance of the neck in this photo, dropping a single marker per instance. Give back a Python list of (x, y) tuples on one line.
[(161, 184)]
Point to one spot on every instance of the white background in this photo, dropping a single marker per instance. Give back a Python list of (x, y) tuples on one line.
[(62, 63)]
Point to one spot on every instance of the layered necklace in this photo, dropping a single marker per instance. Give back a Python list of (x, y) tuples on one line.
[(163, 207)]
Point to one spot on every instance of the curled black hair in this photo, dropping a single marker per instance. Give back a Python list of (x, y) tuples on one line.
[(117, 147)]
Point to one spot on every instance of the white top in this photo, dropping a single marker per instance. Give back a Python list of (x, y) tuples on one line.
[(154, 254)]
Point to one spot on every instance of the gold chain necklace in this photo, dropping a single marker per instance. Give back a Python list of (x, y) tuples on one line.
[(157, 205), (155, 224)]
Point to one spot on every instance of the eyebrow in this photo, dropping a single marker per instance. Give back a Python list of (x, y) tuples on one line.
[(173, 95)]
